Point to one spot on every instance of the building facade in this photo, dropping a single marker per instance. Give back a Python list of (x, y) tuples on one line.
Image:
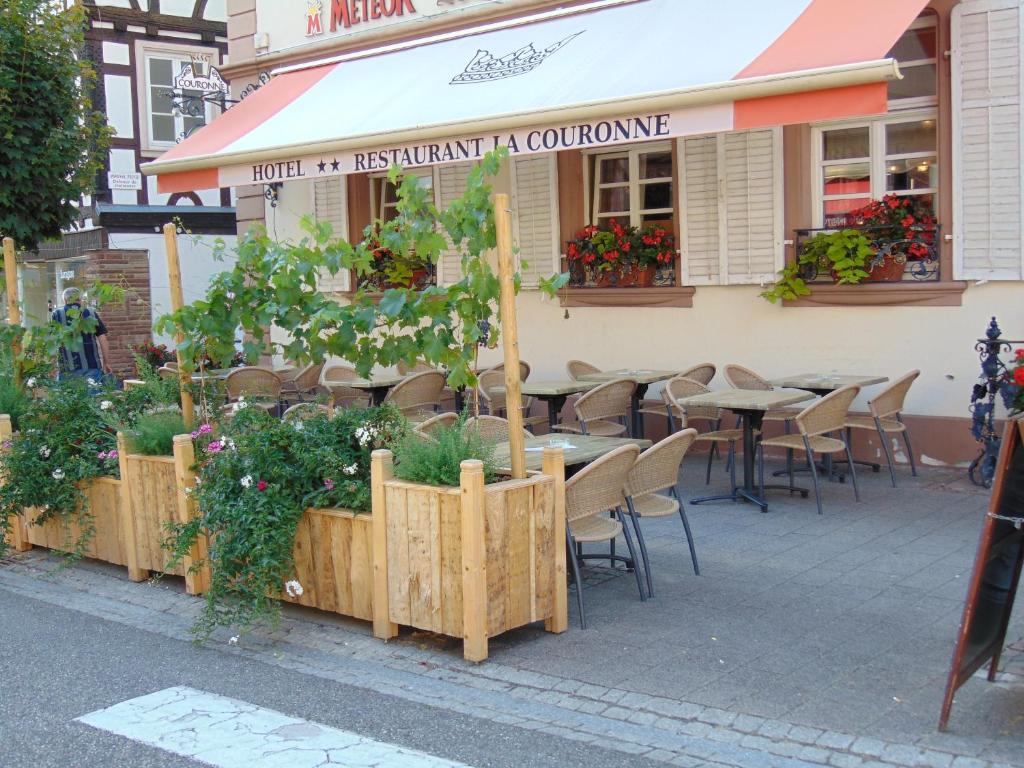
[(738, 201)]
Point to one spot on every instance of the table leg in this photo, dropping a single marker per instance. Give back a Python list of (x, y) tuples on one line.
[(747, 492), (638, 418), (555, 405), (460, 399), (377, 395)]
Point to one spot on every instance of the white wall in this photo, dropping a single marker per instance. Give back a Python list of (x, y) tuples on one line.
[(197, 266)]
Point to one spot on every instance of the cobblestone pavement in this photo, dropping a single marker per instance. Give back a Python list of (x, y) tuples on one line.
[(806, 640)]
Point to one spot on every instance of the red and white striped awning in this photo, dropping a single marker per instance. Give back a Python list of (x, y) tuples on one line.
[(609, 72)]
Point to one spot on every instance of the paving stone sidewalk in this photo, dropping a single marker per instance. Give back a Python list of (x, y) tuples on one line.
[(806, 640)]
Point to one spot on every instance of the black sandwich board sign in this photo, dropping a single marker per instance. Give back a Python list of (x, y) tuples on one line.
[(997, 568)]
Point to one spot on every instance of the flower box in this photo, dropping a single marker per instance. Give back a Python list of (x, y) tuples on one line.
[(470, 562), (107, 542)]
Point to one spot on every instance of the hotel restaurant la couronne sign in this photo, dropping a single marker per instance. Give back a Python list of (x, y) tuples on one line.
[(292, 23)]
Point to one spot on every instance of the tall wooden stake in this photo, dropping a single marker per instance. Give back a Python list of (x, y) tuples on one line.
[(177, 301), (510, 337), (13, 307)]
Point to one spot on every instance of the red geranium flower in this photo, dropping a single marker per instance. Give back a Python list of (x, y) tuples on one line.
[(261, 485), (1018, 376)]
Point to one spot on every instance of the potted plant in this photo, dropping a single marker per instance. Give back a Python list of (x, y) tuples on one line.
[(653, 248), (846, 253), (390, 271), (154, 355), (901, 229)]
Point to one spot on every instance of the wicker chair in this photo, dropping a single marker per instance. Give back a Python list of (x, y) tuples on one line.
[(166, 372), (435, 422), (744, 378), (589, 494), (489, 383), (596, 409), (524, 369), (493, 428), (303, 411), (656, 470), (678, 388), (263, 386), (333, 378), (419, 367), (418, 396), (301, 385), (577, 369), (886, 419), (702, 373), (815, 423)]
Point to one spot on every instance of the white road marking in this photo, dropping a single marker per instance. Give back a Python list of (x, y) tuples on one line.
[(228, 733)]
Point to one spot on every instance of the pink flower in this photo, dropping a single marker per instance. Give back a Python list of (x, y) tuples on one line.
[(101, 455), (213, 447), (328, 484), (195, 435), (261, 485), (112, 455), (205, 429)]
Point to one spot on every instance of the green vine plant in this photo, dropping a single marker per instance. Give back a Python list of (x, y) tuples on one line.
[(274, 285), (847, 253)]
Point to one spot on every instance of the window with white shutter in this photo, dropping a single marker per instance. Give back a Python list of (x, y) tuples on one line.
[(330, 204), (450, 184), (731, 202), (535, 222), (987, 180)]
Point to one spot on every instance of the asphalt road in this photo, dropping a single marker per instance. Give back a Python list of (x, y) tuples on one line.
[(58, 664)]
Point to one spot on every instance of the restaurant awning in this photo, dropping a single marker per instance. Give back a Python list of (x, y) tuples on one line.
[(604, 73)]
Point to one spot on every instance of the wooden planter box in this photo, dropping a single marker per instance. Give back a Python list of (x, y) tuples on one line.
[(473, 561), (107, 542)]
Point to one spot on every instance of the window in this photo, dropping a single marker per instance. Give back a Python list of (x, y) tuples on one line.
[(167, 123), (916, 52), (633, 186), (858, 163), (385, 194)]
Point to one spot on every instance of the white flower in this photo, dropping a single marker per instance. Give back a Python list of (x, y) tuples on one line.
[(230, 295), (233, 640), (246, 481), (293, 588), (92, 382), (299, 426), (351, 469), (106, 405), (199, 480), (239, 405), (228, 444), (365, 434), (58, 474), (188, 491), (45, 452), (31, 383)]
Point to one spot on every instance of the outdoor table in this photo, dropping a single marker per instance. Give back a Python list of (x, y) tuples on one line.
[(222, 373), (750, 405), (643, 377), (378, 385), (821, 385), (554, 393), (581, 449)]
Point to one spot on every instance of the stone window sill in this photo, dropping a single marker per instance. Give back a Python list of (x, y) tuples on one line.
[(905, 294), (681, 296)]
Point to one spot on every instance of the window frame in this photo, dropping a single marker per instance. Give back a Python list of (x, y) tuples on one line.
[(877, 160), (927, 20), (592, 185), (144, 51), (378, 186)]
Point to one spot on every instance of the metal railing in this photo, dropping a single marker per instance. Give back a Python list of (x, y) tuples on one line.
[(919, 254)]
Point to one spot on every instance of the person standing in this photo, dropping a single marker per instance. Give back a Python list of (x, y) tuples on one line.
[(86, 353)]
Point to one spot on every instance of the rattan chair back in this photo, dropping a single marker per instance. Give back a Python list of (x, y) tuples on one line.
[(607, 401), (338, 372), (744, 378), (601, 485), (493, 428), (524, 369), (890, 400), (253, 382), (166, 372), (680, 387), (172, 364), (418, 392), (436, 422), (303, 411), (577, 369), (828, 414), (487, 383), (657, 468), (307, 379), (419, 367), (703, 373)]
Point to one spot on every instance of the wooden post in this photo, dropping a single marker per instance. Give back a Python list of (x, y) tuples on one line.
[(13, 305), (129, 533), (510, 337), (554, 465), (177, 301), (18, 538), (381, 470), (197, 569), (474, 562)]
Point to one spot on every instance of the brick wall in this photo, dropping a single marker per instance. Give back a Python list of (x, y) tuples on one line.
[(131, 322)]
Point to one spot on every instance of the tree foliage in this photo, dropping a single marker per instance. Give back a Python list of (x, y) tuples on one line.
[(51, 140)]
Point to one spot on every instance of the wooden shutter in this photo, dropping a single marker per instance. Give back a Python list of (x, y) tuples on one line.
[(752, 163), (699, 203), (330, 204), (450, 183), (535, 222), (731, 203), (987, 181)]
